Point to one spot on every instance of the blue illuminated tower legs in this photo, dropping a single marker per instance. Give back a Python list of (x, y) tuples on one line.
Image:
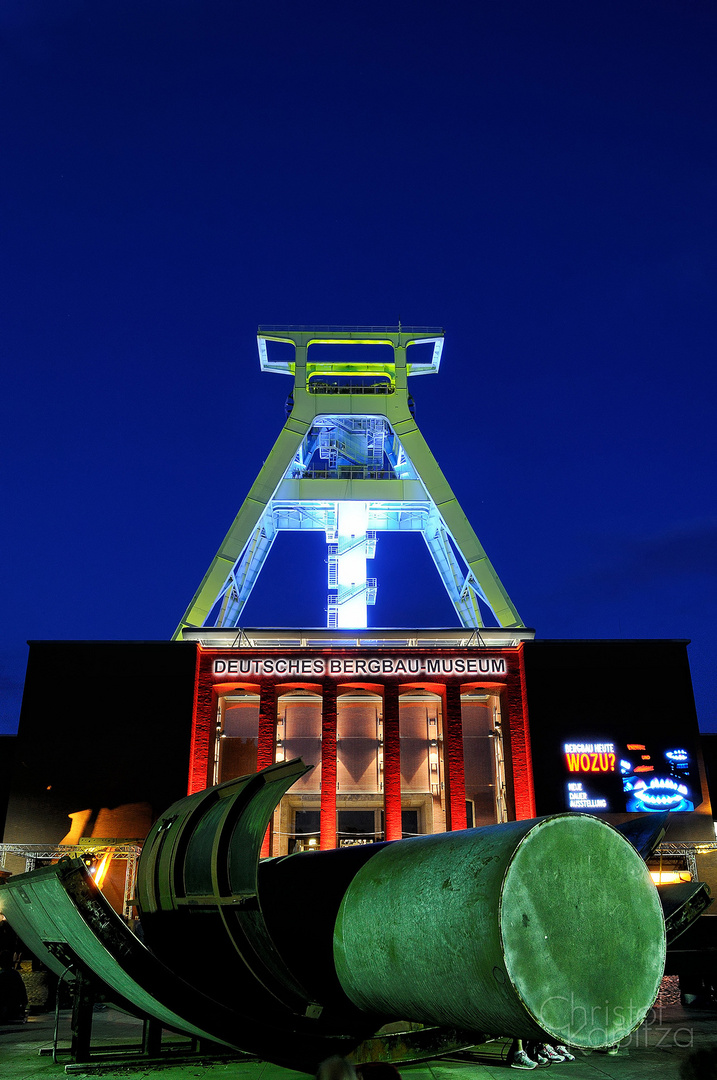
[(350, 461)]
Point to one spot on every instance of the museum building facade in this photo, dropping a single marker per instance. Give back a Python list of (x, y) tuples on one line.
[(404, 732)]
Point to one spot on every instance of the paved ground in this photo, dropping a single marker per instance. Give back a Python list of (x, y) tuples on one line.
[(659, 1049)]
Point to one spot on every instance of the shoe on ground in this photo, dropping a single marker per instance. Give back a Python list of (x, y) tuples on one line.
[(564, 1052), (520, 1060), (551, 1053)]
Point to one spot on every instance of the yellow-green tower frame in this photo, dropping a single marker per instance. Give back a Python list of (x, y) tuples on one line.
[(350, 461)]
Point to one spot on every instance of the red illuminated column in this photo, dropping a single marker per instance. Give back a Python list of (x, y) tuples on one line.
[(519, 734), (328, 766), (265, 742), (267, 725), (203, 722), (453, 759), (391, 764)]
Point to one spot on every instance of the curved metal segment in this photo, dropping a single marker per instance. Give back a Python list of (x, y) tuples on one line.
[(202, 857), (25, 911), (645, 833), (177, 866), (59, 911), (682, 904)]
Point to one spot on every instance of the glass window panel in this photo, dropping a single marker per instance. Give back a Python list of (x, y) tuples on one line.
[(420, 760), (300, 732), (357, 746), (356, 827), (239, 739), (479, 758), (409, 822)]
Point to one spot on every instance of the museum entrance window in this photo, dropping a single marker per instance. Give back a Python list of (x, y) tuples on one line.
[(420, 724), (306, 831), (358, 720), (410, 823), (298, 734), (235, 750), (483, 758), (357, 827), (359, 714)]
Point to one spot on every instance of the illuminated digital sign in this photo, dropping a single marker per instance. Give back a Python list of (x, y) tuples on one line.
[(579, 798), (590, 757), (632, 777)]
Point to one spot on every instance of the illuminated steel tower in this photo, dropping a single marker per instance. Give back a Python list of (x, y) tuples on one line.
[(351, 462)]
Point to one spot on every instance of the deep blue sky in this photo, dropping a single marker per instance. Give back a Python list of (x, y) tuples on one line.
[(537, 177)]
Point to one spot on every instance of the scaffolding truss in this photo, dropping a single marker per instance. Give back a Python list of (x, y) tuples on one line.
[(41, 854)]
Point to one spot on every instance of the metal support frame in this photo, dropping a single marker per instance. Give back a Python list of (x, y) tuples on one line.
[(127, 852), (83, 1001), (689, 850), (350, 461)]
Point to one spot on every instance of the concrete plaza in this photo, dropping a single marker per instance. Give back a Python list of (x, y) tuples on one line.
[(659, 1048)]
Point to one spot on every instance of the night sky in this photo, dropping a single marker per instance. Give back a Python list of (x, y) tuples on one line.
[(536, 176)]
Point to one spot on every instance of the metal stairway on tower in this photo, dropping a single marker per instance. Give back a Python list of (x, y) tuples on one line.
[(350, 461)]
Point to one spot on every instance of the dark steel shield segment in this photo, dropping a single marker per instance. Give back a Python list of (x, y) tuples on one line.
[(66, 921), (31, 922), (694, 957), (60, 913), (197, 881), (682, 903), (645, 833), (552, 925)]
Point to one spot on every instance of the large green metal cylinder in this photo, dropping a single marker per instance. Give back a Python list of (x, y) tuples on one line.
[(519, 929)]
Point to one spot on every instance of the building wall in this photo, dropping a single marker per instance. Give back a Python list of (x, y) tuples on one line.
[(112, 733), (635, 695), (103, 741), (7, 761)]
